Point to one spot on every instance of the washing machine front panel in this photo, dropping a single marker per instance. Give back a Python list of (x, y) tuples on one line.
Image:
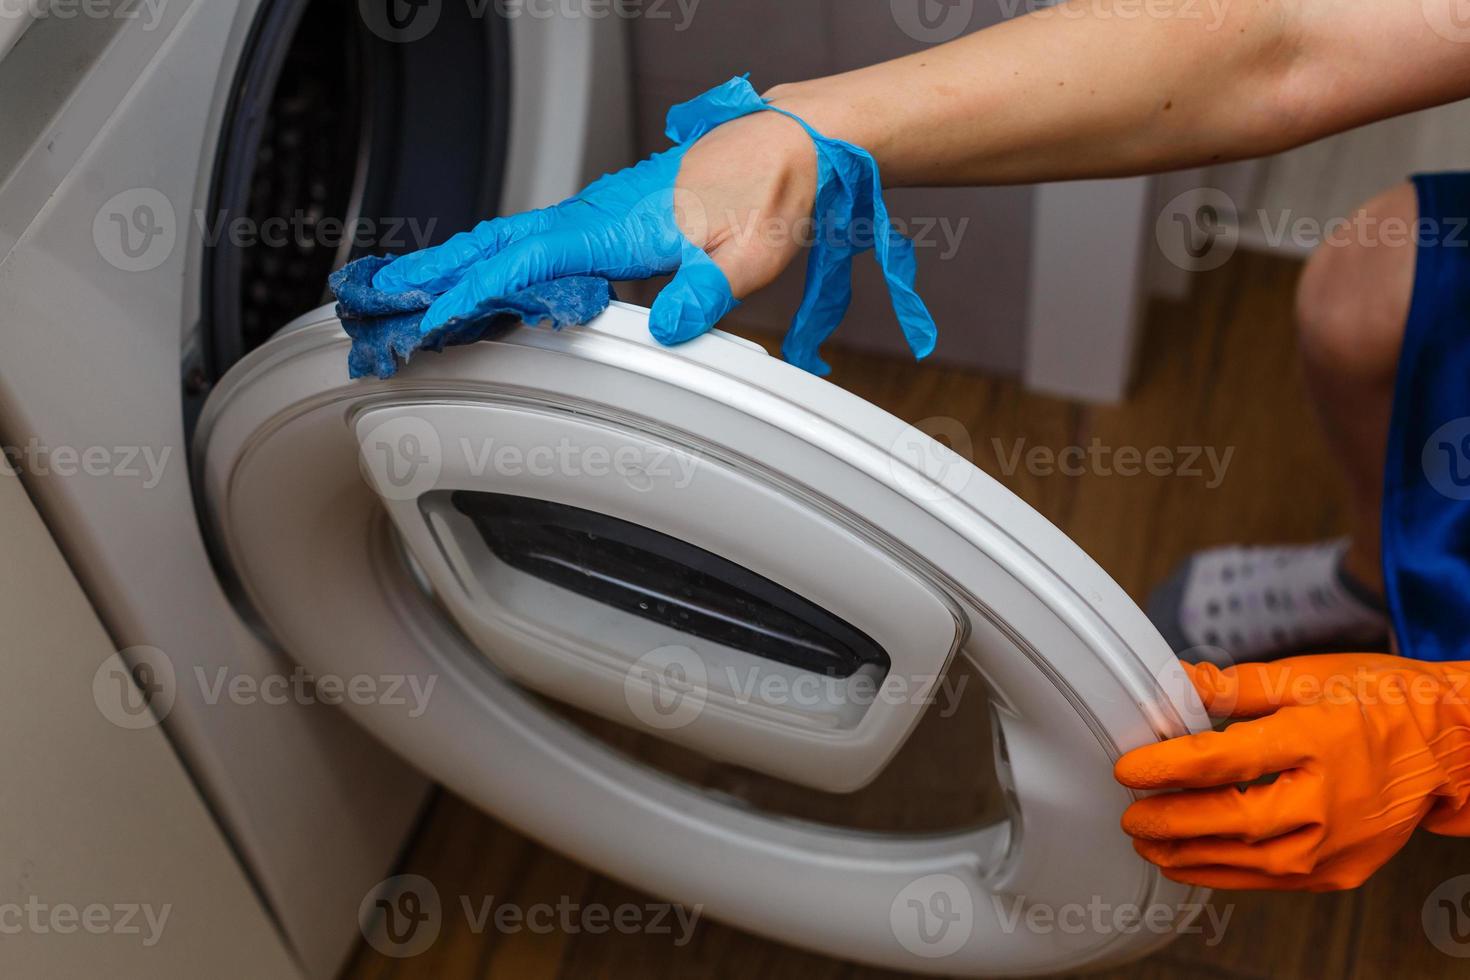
[(402, 527), (106, 166)]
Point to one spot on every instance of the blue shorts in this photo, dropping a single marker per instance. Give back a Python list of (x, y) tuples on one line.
[(1426, 488)]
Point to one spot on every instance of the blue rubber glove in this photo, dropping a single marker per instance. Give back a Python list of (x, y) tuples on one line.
[(623, 226)]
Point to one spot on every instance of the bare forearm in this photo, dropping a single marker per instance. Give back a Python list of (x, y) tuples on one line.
[(1099, 88)]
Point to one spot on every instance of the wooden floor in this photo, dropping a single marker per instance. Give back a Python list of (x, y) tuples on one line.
[(1218, 371)]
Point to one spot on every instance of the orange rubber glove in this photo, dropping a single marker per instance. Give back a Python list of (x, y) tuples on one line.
[(1367, 748)]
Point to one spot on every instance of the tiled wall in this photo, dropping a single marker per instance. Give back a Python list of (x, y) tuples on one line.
[(977, 294)]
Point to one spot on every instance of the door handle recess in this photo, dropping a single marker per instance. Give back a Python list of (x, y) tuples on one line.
[(659, 577)]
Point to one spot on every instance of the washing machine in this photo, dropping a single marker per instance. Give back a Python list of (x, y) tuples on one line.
[(586, 550), (176, 180)]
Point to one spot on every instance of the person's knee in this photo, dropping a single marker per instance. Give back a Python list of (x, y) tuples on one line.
[(1353, 297)]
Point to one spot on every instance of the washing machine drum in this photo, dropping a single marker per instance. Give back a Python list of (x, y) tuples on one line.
[(707, 544)]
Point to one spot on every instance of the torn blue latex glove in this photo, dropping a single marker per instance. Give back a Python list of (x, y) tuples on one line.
[(387, 327), (623, 226)]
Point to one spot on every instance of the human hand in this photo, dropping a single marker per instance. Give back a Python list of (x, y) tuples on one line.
[(725, 211), (1364, 748)]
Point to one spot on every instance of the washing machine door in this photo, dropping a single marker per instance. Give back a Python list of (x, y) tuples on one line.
[(707, 544)]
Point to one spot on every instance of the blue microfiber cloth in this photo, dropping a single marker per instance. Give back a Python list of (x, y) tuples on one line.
[(384, 327)]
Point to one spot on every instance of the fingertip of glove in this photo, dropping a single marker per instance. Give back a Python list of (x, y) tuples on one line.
[(799, 351), (1210, 682), (810, 363), (689, 306), (1143, 820), (392, 278), (1143, 768), (922, 343), (673, 322), (436, 316)]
